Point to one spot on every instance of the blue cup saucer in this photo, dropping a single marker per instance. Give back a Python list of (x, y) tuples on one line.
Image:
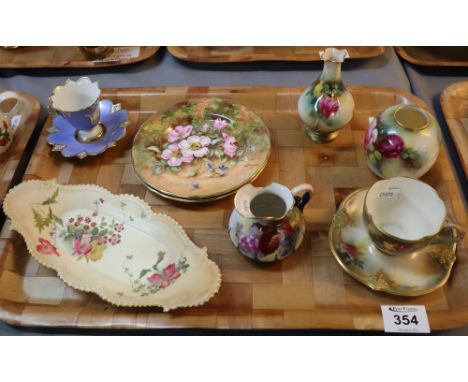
[(64, 136)]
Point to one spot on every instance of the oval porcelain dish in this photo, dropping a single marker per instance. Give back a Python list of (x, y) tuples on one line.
[(111, 245)]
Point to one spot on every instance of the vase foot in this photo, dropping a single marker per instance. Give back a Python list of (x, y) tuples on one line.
[(321, 137), (87, 136)]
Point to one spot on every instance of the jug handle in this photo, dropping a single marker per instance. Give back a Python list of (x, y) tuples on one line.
[(457, 231), (300, 202), (19, 109)]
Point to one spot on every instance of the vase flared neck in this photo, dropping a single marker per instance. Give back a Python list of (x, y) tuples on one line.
[(331, 72)]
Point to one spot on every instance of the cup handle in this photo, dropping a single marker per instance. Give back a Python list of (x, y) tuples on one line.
[(457, 231), (20, 109), (307, 190)]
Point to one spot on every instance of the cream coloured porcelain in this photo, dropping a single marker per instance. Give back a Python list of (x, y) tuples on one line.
[(267, 223), (112, 245), (78, 103), (75, 95), (403, 214), (404, 140), (416, 274), (13, 110), (327, 106)]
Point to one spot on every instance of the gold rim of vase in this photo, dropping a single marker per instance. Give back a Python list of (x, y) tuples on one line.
[(410, 122)]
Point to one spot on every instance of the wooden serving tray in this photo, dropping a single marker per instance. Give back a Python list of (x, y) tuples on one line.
[(454, 100), (306, 290), (10, 160), (63, 57), (264, 53), (434, 55)]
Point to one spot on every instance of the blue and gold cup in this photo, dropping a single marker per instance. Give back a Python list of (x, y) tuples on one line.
[(78, 103)]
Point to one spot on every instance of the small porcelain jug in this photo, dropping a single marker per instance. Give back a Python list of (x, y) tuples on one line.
[(404, 140), (267, 223), (327, 106), (13, 110)]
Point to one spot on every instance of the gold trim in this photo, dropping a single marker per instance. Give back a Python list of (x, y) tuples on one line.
[(213, 198), (365, 281), (397, 117)]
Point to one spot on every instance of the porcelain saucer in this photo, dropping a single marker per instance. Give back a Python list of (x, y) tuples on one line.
[(63, 135), (414, 274)]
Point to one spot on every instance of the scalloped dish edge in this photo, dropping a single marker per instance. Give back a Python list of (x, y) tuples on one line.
[(68, 279)]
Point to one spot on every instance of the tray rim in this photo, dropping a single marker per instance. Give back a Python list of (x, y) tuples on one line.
[(179, 53), (151, 51), (458, 319), (24, 159), (445, 96), (401, 51)]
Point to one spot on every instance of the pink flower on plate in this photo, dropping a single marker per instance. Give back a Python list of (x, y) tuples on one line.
[(114, 239), (195, 145), (328, 106), (175, 157), (82, 247), (350, 249), (45, 247), (119, 227), (371, 135), (168, 275), (220, 123), (178, 133), (229, 145)]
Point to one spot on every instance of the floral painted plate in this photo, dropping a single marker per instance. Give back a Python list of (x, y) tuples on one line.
[(112, 245), (413, 275), (201, 149)]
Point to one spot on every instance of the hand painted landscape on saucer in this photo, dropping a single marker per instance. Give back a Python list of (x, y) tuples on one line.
[(201, 148)]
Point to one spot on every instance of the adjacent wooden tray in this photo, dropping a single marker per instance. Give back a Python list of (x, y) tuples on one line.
[(434, 55), (11, 159), (264, 53), (62, 57), (306, 290), (454, 100)]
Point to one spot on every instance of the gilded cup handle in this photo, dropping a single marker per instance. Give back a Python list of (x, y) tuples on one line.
[(457, 231), (301, 201)]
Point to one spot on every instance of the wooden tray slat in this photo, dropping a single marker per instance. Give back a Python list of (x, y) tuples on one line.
[(434, 55), (454, 101), (62, 57), (264, 53), (306, 290), (10, 160)]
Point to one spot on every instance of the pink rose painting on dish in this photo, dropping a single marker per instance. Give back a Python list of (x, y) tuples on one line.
[(328, 106), (195, 145), (219, 123), (179, 133), (81, 247), (229, 145), (200, 144), (45, 247), (175, 157)]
